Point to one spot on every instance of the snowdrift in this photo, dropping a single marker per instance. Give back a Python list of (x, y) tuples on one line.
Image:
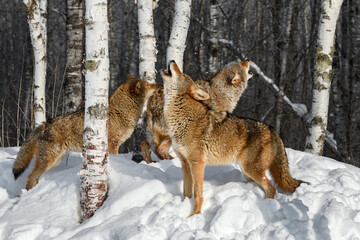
[(145, 202)]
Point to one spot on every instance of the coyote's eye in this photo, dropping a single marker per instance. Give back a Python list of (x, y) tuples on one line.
[(250, 72)]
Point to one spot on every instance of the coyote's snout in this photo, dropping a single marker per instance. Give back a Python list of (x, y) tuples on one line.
[(199, 138)]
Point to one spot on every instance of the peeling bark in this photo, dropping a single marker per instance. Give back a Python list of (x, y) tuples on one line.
[(36, 16), (93, 175), (330, 11)]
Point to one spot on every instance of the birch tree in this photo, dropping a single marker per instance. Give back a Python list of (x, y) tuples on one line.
[(93, 175), (179, 31), (147, 45), (147, 60), (36, 11), (74, 54), (330, 10)]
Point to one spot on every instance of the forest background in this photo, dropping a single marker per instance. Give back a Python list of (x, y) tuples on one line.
[(267, 32)]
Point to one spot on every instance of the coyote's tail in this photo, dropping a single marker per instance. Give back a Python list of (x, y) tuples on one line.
[(27, 151), (279, 169)]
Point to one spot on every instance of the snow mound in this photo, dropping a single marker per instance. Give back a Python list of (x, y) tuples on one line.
[(145, 202)]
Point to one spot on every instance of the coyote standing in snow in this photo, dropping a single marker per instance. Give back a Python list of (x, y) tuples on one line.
[(225, 89), (199, 138), (51, 140)]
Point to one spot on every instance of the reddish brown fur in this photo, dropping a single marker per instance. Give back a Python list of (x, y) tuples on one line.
[(50, 141), (225, 89), (199, 138)]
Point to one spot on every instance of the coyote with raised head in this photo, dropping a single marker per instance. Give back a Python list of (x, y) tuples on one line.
[(51, 140), (225, 89), (199, 138)]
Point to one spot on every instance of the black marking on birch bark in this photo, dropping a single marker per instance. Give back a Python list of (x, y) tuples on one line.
[(99, 111), (91, 65)]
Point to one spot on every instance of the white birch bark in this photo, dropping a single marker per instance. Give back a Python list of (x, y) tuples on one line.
[(215, 35), (74, 55), (330, 10), (179, 31), (147, 60), (147, 44), (36, 16), (95, 145)]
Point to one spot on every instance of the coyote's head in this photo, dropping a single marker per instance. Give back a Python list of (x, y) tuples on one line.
[(228, 85), (177, 83), (235, 73), (136, 90), (140, 87)]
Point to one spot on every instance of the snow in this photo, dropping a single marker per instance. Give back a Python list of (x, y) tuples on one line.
[(145, 202)]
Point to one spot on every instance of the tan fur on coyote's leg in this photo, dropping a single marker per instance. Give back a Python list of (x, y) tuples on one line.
[(197, 170), (43, 163), (188, 184), (258, 174), (145, 149), (163, 148)]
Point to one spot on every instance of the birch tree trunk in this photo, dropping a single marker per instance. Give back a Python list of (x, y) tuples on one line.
[(147, 60), (36, 16), (323, 73), (74, 54), (147, 45), (214, 61), (93, 175), (179, 31)]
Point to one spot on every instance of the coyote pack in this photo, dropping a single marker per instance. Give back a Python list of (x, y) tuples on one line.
[(225, 89), (199, 138), (51, 140)]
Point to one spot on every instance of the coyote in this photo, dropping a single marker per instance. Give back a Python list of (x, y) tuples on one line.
[(225, 89), (51, 140), (199, 138)]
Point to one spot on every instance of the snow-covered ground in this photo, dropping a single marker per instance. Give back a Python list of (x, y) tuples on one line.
[(145, 202)]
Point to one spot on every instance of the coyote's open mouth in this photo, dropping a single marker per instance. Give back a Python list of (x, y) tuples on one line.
[(167, 71)]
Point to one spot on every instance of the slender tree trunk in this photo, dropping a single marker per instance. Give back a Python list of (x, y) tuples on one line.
[(215, 34), (283, 77), (95, 144), (147, 45), (147, 60), (74, 54), (203, 47), (323, 74), (354, 98), (340, 90), (179, 30), (36, 15), (307, 58)]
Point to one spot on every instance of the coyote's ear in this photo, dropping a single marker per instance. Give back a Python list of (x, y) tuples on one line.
[(135, 88), (130, 77), (245, 63), (234, 78), (196, 93)]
